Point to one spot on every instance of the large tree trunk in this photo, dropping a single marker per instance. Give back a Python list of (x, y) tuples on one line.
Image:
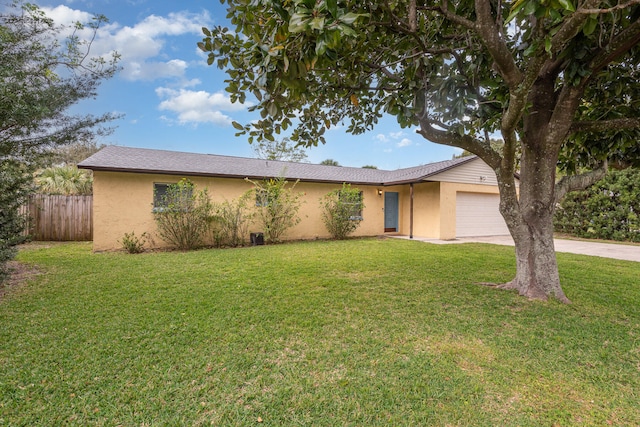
[(536, 267), (529, 216)]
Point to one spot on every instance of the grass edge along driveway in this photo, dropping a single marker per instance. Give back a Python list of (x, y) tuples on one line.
[(358, 332)]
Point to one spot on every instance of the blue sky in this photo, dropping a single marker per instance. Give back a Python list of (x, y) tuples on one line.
[(172, 100)]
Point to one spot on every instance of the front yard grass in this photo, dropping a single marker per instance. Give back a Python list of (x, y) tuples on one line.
[(359, 332)]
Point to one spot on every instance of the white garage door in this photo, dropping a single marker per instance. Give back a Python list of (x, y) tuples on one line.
[(479, 215)]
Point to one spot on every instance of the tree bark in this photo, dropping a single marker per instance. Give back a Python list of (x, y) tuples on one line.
[(537, 274), (529, 214), (530, 222)]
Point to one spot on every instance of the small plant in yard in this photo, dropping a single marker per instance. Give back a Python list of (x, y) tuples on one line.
[(184, 215), (277, 207), (134, 244), (342, 211), (231, 221)]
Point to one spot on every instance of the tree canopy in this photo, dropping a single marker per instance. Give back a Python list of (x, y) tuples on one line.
[(42, 74), (282, 149), (330, 162), (40, 79), (558, 81), (65, 180)]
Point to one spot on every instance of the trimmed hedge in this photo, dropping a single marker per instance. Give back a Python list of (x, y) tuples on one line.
[(609, 209)]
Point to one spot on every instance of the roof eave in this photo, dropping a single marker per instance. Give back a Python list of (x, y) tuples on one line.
[(214, 175)]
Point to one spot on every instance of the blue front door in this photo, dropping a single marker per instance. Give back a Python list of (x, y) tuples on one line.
[(390, 211)]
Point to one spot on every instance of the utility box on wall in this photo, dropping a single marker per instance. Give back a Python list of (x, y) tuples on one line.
[(257, 239)]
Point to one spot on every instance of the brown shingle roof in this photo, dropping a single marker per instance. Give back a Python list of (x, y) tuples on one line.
[(144, 160)]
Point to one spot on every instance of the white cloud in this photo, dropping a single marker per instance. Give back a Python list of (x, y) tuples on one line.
[(66, 16), (152, 70), (142, 47), (193, 107), (398, 139), (381, 137)]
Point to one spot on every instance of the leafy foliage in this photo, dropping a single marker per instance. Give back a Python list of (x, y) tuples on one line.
[(184, 220), (14, 191), (134, 244), (231, 220), (279, 150), (364, 59), (277, 207), (66, 180), (40, 79), (609, 209), (342, 210), (330, 162)]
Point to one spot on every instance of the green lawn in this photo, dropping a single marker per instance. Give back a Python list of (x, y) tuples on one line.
[(355, 333)]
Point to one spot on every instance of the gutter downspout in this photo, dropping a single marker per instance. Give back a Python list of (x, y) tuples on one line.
[(411, 211)]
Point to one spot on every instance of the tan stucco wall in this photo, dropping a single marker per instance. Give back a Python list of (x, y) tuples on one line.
[(426, 212), (434, 207), (123, 203)]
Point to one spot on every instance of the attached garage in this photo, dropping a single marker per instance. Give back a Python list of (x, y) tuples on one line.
[(478, 214)]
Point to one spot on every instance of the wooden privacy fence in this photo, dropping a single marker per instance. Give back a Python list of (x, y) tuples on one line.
[(60, 218)]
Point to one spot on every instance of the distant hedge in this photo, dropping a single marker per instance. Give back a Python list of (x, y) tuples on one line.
[(609, 209)]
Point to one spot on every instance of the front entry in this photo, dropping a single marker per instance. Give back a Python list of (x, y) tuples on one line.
[(390, 211)]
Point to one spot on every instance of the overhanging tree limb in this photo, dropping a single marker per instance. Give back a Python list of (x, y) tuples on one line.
[(606, 125), (492, 38), (579, 182)]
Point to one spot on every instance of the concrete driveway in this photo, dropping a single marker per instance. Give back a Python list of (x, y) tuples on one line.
[(605, 250)]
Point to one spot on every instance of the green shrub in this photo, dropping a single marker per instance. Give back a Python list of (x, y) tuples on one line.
[(184, 215), (134, 244), (276, 207), (230, 222), (14, 189), (609, 209), (342, 211)]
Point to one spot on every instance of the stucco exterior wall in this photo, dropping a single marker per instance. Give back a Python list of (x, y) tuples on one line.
[(123, 203), (426, 209), (434, 207)]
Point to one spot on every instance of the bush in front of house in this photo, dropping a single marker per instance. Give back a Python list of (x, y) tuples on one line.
[(231, 220), (342, 211), (277, 207), (609, 209), (184, 216), (134, 244)]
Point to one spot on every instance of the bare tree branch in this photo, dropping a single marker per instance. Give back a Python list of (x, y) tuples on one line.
[(619, 45), (590, 11), (464, 22), (572, 26), (466, 142), (490, 35), (606, 125), (579, 182)]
